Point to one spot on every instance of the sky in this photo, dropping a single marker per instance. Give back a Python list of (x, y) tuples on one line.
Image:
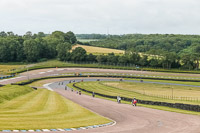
[(101, 16)]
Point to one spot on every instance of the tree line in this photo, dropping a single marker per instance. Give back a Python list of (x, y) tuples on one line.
[(35, 47), (173, 51), (182, 49), (130, 58)]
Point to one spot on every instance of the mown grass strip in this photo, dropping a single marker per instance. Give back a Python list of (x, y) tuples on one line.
[(56, 63), (96, 89), (129, 90), (43, 109), (9, 92)]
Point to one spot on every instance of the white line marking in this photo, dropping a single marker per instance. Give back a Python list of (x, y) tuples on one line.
[(47, 86), (59, 69), (60, 129), (41, 72), (45, 130)]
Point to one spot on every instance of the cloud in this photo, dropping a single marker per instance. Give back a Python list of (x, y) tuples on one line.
[(96, 16)]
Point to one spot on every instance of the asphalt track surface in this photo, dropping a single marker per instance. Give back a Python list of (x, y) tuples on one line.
[(128, 119)]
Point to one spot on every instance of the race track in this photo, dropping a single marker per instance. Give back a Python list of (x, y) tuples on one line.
[(131, 119), (128, 119)]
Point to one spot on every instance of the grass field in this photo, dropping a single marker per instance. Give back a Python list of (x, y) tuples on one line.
[(146, 91), (5, 69), (43, 109), (168, 81), (10, 92), (116, 91), (99, 50), (56, 63)]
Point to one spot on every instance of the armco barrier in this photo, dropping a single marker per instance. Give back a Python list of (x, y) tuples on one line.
[(188, 107), (111, 76), (4, 77), (1, 85)]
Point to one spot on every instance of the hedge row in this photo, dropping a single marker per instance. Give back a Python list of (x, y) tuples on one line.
[(188, 107)]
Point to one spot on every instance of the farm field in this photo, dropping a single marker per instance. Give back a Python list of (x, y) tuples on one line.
[(99, 50), (146, 91), (43, 109), (86, 40)]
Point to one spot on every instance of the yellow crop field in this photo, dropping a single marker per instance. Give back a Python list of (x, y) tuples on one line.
[(99, 50)]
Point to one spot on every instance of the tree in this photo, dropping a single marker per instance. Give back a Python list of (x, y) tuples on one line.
[(70, 37), (51, 46), (10, 33), (123, 59), (168, 59), (154, 62), (3, 50), (133, 57), (101, 58), (79, 54), (196, 51), (3, 34), (144, 61), (44, 53), (187, 60), (32, 50), (91, 58), (63, 50), (111, 58), (28, 35), (41, 34), (58, 35)]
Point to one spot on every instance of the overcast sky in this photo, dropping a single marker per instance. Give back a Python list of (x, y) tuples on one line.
[(101, 16)]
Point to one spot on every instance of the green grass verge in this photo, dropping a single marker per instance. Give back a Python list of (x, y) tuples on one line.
[(43, 109), (9, 92), (167, 81), (55, 63), (142, 105), (153, 92)]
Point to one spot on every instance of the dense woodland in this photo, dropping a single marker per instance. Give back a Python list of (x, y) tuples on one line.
[(35, 47), (177, 51), (174, 51)]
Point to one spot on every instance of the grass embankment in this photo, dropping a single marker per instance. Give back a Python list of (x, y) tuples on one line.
[(60, 64), (130, 90), (9, 92), (146, 91), (168, 81), (43, 109), (7, 68)]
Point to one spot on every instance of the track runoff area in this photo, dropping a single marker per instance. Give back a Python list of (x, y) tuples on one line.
[(128, 118)]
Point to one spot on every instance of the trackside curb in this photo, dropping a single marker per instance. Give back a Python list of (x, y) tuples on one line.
[(65, 129)]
